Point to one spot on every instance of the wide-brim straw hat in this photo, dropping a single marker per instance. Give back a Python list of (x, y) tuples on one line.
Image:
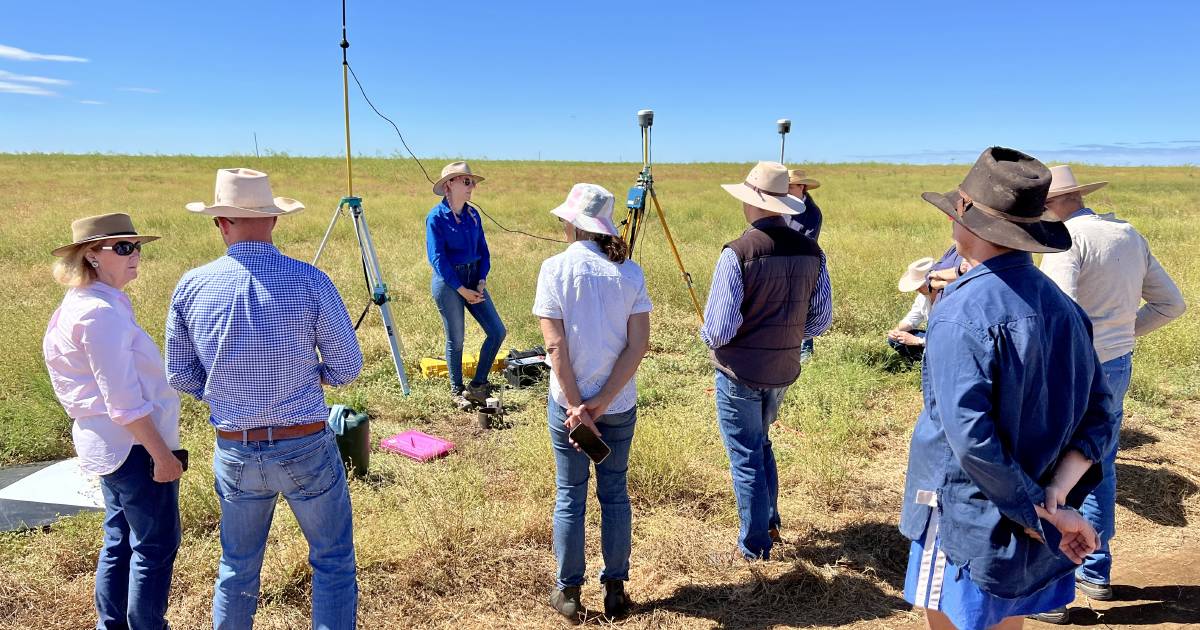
[(914, 276), (100, 228), (1003, 201), (450, 171), (590, 208), (245, 193), (798, 177), (766, 187), (1062, 181)]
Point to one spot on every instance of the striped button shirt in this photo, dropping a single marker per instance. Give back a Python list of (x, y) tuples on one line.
[(254, 334), (723, 313)]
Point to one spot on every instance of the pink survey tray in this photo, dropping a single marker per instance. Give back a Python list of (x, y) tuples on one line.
[(417, 445)]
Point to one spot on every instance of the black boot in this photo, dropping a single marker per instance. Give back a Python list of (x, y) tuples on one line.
[(566, 602), (616, 603)]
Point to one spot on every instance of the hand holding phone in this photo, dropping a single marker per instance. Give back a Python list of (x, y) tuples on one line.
[(584, 438)]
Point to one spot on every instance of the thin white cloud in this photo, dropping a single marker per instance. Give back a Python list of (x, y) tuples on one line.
[(91, 102), (141, 90), (24, 78), (10, 52), (20, 88)]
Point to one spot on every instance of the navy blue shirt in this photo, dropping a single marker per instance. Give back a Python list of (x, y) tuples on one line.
[(452, 241), (1011, 382), (808, 222)]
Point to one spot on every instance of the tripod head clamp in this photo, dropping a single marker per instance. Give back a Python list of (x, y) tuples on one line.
[(645, 117), (783, 125)]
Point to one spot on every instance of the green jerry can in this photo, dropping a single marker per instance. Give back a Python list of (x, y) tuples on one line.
[(353, 431)]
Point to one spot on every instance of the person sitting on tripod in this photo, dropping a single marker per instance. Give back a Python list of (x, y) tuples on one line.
[(808, 223), (458, 253)]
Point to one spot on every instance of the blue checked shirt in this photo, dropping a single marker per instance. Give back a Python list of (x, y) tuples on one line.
[(723, 312), (254, 334)]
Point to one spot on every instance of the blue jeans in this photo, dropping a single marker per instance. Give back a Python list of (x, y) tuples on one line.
[(745, 415), (451, 305), (616, 518), (141, 536), (249, 479), (1099, 508)]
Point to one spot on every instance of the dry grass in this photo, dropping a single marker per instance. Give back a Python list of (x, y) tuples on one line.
[(465, 542)]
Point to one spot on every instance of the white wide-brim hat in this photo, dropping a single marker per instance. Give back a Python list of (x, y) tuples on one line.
[(245, 193), (450, 171), (914, 276), (590, 208), (1062, 181), (766, 187)]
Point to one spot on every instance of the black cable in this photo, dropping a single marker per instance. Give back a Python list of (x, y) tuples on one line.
[(368, 100), (422, 166), (543, 238)]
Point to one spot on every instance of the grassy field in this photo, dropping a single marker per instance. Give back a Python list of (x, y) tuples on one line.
[(466, 541)]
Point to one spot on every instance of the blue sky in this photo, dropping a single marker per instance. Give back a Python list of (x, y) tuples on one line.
[(1101, 82)]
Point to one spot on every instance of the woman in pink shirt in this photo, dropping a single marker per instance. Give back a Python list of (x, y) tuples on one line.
[(108, 375)]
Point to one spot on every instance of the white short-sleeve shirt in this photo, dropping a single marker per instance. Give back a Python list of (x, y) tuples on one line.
[(594, 298)]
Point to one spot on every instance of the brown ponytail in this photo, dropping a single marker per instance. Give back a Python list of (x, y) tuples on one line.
[(613, 246)]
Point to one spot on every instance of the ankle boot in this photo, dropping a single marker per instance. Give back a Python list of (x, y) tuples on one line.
[(616, 603), (566, 602)]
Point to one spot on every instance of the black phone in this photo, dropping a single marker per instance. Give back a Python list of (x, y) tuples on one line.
[(182, 456), (592, 445)]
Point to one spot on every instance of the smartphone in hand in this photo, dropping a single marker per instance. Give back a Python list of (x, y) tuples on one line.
[(592, 445)]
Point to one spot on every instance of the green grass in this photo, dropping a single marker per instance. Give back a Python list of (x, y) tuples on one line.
[(475, 527)]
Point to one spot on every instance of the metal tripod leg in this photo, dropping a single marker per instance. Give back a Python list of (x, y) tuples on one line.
[(687, 277), (379, 293)]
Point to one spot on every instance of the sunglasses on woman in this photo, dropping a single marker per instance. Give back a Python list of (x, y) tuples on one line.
[(124, 248), (468, 182)]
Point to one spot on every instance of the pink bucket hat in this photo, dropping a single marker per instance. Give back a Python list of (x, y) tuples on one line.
[(588, 207)]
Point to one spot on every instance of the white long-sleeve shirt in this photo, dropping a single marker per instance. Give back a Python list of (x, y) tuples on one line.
[(1108, 271), (107, 373)]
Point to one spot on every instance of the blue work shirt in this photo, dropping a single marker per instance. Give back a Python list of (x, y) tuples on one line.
[(244, 332), (1010, 384), (451, 241)]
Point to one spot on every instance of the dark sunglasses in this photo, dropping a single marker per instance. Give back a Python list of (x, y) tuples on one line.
[(124, 248), (468, 182)]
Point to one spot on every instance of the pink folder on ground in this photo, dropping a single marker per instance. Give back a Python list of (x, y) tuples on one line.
[(417, 445)]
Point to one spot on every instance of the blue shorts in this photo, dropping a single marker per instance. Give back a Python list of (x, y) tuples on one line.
[(934, 583)]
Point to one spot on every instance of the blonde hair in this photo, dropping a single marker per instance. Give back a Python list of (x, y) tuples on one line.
[(73, 270)]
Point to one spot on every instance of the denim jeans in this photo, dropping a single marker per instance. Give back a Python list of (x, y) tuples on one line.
[(907, 352), (451, 305), (249, 479), (141, 536), (616, 519), (744, 415), (1099, 508)]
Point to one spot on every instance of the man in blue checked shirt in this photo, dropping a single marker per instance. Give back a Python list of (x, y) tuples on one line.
[(770, 291), (255, 334)]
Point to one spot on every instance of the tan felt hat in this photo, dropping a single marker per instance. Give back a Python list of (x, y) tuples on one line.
[(102, 227)]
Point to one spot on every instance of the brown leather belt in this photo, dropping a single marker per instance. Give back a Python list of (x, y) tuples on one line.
[(274, 433)]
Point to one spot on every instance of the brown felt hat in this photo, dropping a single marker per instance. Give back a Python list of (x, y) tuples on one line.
[(1003, 201)]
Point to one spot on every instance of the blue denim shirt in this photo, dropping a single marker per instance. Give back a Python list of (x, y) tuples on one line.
[(1010, 383), (450, 242)]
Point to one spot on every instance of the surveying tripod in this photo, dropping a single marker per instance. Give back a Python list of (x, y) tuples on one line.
[(366, 246), (636, 203)]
